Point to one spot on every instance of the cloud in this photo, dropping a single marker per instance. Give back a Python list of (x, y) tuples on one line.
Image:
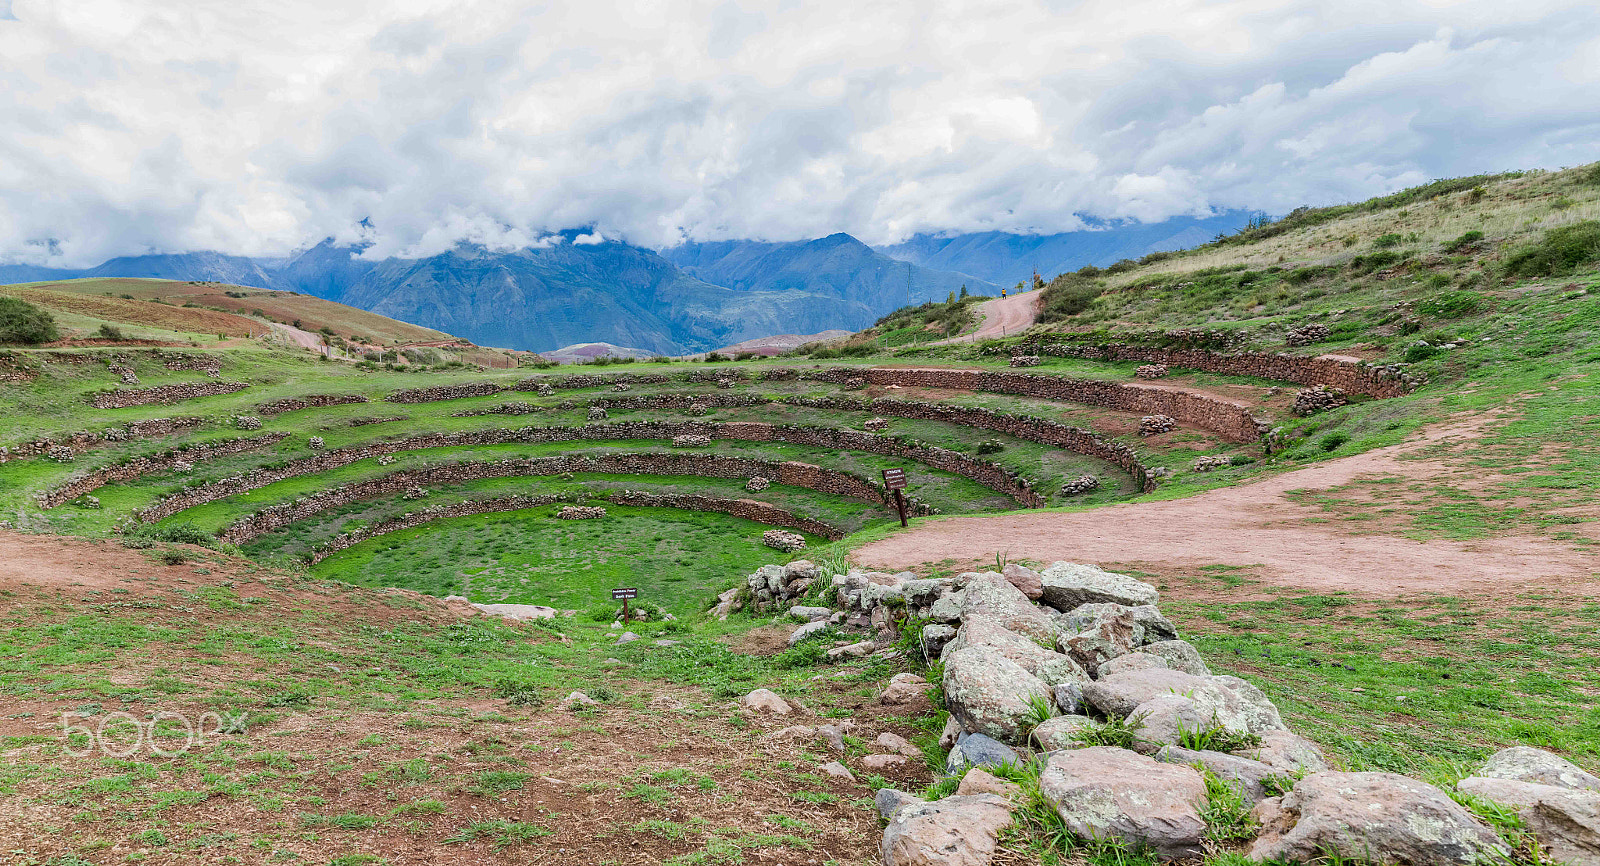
[(257, 128)]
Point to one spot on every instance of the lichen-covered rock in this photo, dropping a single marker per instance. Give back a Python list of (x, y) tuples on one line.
[(1136, 661), (935, 637), (947, 609), (1103, 792), (1288, 752), (1527, 764), (1149, 624), (992, 596), (1379, 817), (1050, 667), (988, 693), (808, 631), (955, 831), (1067, 585), (1567, 820), (1251, 778), (1061, 732), (1110, 638), (1179, 655), (1228, 701), (977, 781)]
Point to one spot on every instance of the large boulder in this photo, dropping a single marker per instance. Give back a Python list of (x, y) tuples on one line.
[(1527, 764), (1131, 662), (1288, 752), (947, 609), (1179, 655), (1025, 579), (1565, 819), (988, 693), (808, 631), (1255, 780), (1050, 667), (1103, 792), (955, 831), (1226, 701), (1111, 637), (1149, 625), (1378, 817), (991, 595), (1066, 585)]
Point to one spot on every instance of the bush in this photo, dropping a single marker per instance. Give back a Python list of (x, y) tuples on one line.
[(22, 322), (1452, 305), (1068, 295), (1466, 240), (1560, 252), (110, 332), (1384, 242), (1331, 442), (1419, 353)]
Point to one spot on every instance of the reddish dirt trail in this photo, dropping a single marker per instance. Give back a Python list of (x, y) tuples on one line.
[(1257, 524), (1001, 316)]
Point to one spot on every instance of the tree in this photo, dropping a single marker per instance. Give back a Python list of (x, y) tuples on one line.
[(22, 322), (963, 291), (951, 299)]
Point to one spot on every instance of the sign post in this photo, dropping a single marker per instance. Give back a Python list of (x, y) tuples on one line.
[(622, 594), (895, 480)]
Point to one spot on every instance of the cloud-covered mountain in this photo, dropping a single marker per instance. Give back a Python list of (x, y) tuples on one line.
[(1006, 259)]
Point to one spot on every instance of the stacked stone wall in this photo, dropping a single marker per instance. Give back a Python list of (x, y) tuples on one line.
[(749, 509), (123, 398), (1371, 380), (78, 443), (984, 472), (437, 393), (313, 401), (140, 466), (1231, 421), (796, 474)]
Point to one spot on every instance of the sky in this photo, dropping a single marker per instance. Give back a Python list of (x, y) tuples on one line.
[(258, 128)]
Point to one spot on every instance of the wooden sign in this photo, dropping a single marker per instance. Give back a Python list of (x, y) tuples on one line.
[(624, 593), (894, 479)]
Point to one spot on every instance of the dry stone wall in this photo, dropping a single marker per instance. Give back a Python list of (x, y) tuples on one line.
[(123, 398), (749, 509), (1230, 420), (796, 474), (984, 472), (88, 440), (314, 401), (1371, 380), (140, 466)]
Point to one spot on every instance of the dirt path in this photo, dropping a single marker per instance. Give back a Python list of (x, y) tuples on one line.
[(1001, 316), (303, 339), (1258, 524)]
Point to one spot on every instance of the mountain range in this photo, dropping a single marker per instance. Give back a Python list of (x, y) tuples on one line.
[(681, 300)]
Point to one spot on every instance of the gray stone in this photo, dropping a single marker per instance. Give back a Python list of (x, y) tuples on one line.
[(810, 614), (1110, 637), (1049, 666), (800, 569), (1120, 694), (1179, 655), (1069, 698), (1228, 701), (1061, 732), (1103, 792), (935, 637), (955, 831), (903, 693), (1250, 778), (765, 701), (1149, 625), (833, 735), (1527, 764), (838, 771), (1067, 585), (879, 763), (627, 637), (890, 801), (991, 596), (923, 592), (853, 651), (892, 742), (808, 631), (1024, 579), (977, 750), (947, 609), (1380, 817), (1565, 819), (1131, 662)]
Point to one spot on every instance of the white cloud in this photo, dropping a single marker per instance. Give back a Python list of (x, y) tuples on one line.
[(255, 127)]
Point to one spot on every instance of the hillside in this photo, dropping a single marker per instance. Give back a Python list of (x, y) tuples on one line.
[(1327, 464)]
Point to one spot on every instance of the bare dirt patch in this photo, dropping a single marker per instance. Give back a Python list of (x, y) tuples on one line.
[(1262, 524)]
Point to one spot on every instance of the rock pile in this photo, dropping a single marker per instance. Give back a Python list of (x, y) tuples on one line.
[(621, 386), (247, 422), (1024, 361), (1151, 371), (771, 587), (597, 414), (779, 539), (691, 440), (581, 512), (757, 484), (1318, 398), (316, 443), (1150, 425), (1206, 464), (1305, 335), (875, 425), (1081, 484)]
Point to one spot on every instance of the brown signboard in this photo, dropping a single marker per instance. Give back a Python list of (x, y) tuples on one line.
[(894, 479), (624, 593)]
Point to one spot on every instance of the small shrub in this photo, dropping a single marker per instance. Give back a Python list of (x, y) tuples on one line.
[(1329, 444), (1384, 242), (1121, 733), (518, 693), (1422, 352), (1216, 738), (1560, 252), (22, 322), (1466, 240), (991, 446), (174, 557), (109, 332)]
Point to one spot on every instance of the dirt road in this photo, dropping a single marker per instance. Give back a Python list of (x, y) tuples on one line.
[(1001, 316), (1293, 544)]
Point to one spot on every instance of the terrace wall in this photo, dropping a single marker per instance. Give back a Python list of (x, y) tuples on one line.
[(123, 398)]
